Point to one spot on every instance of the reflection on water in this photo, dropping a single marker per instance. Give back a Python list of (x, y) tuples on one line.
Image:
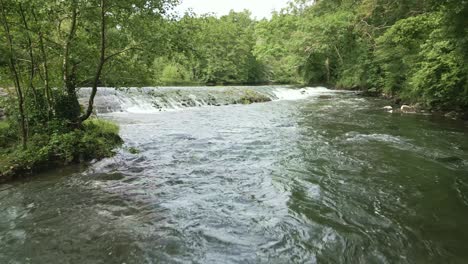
[(328, 179)]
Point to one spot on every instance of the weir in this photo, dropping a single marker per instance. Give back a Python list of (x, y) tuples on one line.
[(157, 99)]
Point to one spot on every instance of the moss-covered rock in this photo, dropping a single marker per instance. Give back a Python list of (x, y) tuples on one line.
[(251, 96)]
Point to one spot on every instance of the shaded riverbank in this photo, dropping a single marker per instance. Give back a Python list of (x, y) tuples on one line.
[(95, 140)]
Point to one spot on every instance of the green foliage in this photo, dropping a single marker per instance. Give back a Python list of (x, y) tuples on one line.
[(440, 80), (101, 127), (174, 74), (133, 150), (7, 135), (416, 50), (399, 50), (211, 50), (52, 48), (95, 140), (275, 50)]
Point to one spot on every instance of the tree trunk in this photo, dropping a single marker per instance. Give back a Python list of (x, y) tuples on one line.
[(327, 66), (16, 78), (69, 76), (32, 66), (45, 68), (102, 61)]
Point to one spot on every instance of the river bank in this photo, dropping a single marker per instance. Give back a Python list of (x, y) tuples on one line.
[(95, 140), (398, 105)]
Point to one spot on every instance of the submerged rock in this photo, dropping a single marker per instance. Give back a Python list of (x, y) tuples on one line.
[(451, 159)]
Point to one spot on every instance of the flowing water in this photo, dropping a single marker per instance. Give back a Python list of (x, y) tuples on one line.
[(314, 176)]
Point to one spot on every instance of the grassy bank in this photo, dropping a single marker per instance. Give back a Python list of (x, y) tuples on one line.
[(96, 139)]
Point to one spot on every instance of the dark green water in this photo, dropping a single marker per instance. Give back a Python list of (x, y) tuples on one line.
[(328, 179)]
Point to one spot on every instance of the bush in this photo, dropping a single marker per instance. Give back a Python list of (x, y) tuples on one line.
[(7, 135), (440, 79), (96, 139)]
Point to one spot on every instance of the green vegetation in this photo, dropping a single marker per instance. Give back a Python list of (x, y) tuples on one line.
[(49, 49), (95, 140), (415, 51), (210, 50), (250, 97)]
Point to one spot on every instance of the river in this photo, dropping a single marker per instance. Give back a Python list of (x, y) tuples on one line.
[(314, 176)]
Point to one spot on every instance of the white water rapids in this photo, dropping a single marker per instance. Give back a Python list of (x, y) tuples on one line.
[(153, 99)]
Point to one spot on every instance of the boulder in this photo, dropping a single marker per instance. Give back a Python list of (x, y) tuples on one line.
[(407, 109), (388, 108)]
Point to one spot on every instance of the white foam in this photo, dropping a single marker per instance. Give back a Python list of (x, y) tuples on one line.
[(352, 136), (138, 105), (298, 94), (153, 100)]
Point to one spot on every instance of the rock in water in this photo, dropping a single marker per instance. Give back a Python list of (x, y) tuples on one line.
[(451, 159), (407, 109), (388, 109)]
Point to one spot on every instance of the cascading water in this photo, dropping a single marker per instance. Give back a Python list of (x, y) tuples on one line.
[(152, 99)]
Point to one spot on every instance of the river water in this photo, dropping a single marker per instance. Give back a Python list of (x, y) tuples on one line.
[(316, 176)]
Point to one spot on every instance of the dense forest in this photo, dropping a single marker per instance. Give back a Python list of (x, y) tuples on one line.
[(415, 51)]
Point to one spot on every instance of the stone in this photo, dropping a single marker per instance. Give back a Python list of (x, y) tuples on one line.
[(407, 109), (388, 109)]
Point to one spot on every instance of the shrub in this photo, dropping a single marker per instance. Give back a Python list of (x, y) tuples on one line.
[(7, 135), (96, 139)]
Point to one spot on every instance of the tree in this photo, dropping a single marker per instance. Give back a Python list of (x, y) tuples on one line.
[(67, 45)]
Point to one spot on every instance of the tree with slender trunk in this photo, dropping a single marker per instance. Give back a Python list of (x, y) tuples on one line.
[(100, 66), (15, 74), (68, 70)]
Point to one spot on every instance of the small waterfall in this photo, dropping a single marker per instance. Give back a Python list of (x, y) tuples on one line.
[(298, 94), (157, 99)]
